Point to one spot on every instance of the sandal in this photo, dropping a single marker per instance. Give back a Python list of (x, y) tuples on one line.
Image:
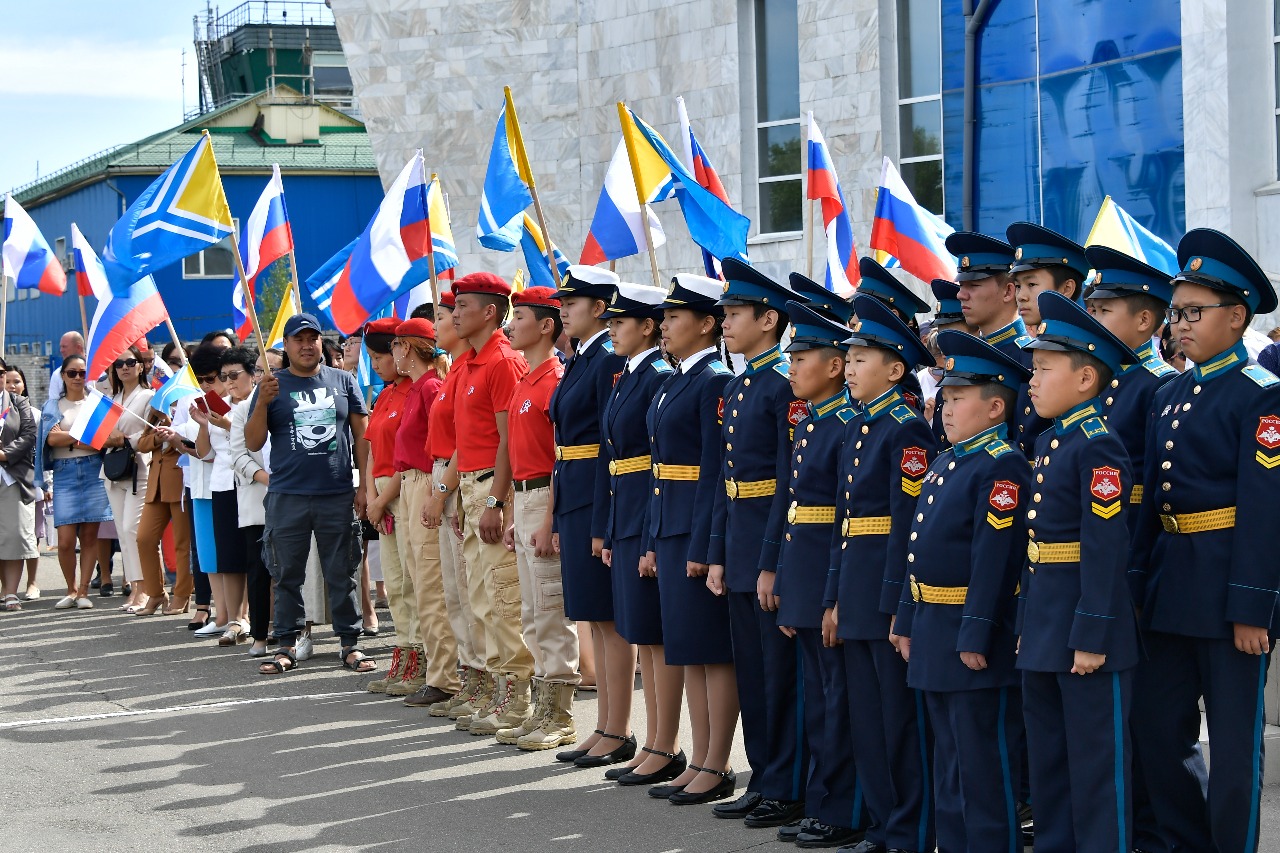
[(361, 659), (277, 666), (201, 616), (11, 603)]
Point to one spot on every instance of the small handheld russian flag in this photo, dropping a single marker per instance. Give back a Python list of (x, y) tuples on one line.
[(97, 418), (27, 258)]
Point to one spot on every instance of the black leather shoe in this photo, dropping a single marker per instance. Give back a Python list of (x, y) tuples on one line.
[(788, 832), (867, 846), (569, 756), (774, 813), (624, 752), (724, 788), (613, 774), (664, 792), (676, 764), (739, 808), (824, 835)]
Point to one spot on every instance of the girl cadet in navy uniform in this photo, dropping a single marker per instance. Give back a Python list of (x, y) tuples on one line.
[(1205, 551), (685, 443), (760, 417), (833, 814), (887, 451), (633, 317), (1079, 638), (580, 490), (956, 619)]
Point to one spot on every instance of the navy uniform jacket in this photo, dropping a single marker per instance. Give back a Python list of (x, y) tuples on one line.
[(1127, 409), (969, 530), (1027, 425), (1214, 444), (1080, 495), (624, 438), (760, 414), (684, 429), (577, 409), (806, 548), (887, 451)]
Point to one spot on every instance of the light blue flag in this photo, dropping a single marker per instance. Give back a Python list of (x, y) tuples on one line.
[(505, 195), (320, 283), (535, 258)]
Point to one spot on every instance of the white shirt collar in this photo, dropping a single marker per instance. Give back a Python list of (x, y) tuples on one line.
[(633, 363), (582, 345), (687, 364)]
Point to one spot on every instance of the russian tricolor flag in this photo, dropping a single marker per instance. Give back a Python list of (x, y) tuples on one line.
[(28, 260), (908, 232), (842, 253), (98, 417), (397, 236), (267, 239), (616, 227), (118, 321)]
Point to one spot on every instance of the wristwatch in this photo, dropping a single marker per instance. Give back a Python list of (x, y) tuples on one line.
[(493, 503), (443, 489)]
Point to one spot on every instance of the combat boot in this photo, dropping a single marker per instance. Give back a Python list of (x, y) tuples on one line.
[(557, 725), (394, 672), (468, 680), (541, 707), (509, 711), (414, 676), (479, 703)]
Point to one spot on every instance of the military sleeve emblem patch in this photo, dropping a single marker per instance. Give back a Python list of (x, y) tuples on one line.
[(720, 410), (797, 411), (1268, 434), (914, 462), (1004, 495), (616, 377), (1105, 484)]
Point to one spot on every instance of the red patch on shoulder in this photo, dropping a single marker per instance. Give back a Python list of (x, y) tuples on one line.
[(797, 411), (914, 462), (720, 409), (1268, 434), (912, 400), (1106, 484), (1004, 495)]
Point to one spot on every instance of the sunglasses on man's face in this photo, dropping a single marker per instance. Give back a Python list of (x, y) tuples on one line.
[(126, 362), (76, 374), (205, 380)]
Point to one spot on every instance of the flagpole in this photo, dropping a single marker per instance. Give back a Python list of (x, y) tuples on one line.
[(808, 208), (634, 159), (527, 173), (248, 297), (431, 245), (84, 318), (173, 333), (4, 310), (297, 290)]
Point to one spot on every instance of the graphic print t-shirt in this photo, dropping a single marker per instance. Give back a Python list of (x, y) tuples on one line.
[(309, 424)]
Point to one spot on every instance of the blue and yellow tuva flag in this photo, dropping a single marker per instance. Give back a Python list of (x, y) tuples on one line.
[(182, 212)]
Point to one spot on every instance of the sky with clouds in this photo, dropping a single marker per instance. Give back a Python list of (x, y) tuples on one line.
[(78, 76)]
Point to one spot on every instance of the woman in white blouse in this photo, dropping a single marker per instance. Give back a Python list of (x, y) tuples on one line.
[(128, 495)]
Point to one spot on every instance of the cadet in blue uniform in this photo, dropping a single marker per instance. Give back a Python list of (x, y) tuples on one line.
[(957, 616), (580, 490), (633, 316), (887, 450), (880, 283), (1044, 260), (1204, 571), (817, 375), (988, 300), (760, 415), (947, 314), (684, 433), (1079, 639)]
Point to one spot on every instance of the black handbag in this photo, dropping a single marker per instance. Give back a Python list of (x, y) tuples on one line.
[(121, 463)]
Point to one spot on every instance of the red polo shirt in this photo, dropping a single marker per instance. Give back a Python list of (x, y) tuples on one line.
[(531, 440), (384, 423), (440, 433), (411, 440), (484, 389)]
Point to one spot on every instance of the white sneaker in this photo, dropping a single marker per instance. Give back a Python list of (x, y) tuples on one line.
[(211, 629), (32, 594), (303, 649), (84, 604), (65, 603)]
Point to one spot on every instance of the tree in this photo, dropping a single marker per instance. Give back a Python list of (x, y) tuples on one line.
[(272, 292)]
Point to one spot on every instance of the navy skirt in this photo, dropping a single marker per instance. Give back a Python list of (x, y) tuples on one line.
[(695, 623), (637, 606), (588, 585)]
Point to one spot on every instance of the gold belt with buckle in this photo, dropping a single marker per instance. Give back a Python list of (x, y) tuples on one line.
[(1135, 496), (938, 594), (811, 515), (675, 472), (630, 465), (577, 451), (1053, 552), (877, 525), (750, 489), (1199, 522)]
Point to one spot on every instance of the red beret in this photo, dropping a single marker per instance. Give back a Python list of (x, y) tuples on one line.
[(384, 326), (482, 282), (446, 299), (417, 327), (543, 296)]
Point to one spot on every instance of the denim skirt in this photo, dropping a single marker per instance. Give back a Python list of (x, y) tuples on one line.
[(78, 494)]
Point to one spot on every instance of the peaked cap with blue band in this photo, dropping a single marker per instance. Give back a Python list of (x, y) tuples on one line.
[(1117, 274), (746, 285), (811, 330), (584, 280), (1067, 327), (948, 309), (979, 256), (1212, 259), (821, 299), (636, 300), (879, 326), (880, 283), (695, 292), (1036, 247), (973, 361)]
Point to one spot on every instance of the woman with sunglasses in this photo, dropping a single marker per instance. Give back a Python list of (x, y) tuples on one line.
[(15, 382), (18, 492), (128, 389), (79, 499)]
